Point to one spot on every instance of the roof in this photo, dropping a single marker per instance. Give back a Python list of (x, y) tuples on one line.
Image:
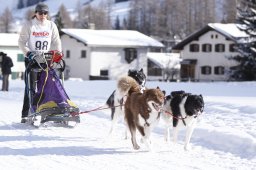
[(165, 60), (9, 39), (111, 38), (230, 31)]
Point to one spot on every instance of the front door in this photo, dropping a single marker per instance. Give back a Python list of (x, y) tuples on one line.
[(187, 72)]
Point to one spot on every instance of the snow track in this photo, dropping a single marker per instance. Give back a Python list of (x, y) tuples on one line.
[(223, 139)]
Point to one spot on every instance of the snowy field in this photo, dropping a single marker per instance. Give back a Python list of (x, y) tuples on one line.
[(225, 137)]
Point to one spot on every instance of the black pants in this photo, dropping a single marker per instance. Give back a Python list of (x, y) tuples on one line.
[(5, 85), (33, 78)]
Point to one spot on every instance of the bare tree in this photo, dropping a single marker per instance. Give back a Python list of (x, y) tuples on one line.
[(229, 11), (79, 21), (64, 15), (29, 14), (171, 71), (96, 17), (6, 20), (169, 18), (108, 8), (93, 16)]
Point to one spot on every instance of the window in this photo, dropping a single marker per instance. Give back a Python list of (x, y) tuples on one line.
[(232, 48), (206, 70), (130, 54), (68, 54), (20, 57), (219, 70), (104, 72), (194, 47), (83, 54), (207, 48), (219, 47)]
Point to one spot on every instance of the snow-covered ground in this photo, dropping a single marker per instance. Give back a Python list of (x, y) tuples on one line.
[(225, 137)]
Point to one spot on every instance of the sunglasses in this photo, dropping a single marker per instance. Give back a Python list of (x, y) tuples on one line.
[(42, 12)]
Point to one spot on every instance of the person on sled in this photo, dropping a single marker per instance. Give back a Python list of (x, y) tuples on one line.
[(37, 34)]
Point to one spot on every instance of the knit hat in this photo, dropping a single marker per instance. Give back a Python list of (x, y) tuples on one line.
[(41, 7), (2, 54)]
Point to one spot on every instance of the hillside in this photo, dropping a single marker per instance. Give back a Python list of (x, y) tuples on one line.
[(117, 9)]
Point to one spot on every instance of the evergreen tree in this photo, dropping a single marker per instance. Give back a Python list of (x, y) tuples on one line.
[(116, 1), (32, 2), (117, 23), (246, 68), (20, 4), (58, 21), (125, 24)]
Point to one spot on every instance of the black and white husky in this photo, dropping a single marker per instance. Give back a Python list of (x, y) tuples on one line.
[(182, 110), (116, 100)]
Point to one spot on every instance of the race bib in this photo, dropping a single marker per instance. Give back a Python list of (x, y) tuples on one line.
[(40, 38)]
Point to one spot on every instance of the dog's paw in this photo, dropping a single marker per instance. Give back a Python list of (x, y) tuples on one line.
[(167, 139), (167, 142), (187, 147), (136, 147)]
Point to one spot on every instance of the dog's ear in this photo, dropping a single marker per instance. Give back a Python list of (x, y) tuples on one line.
[(164, 92), (141, 70), (158, 88)]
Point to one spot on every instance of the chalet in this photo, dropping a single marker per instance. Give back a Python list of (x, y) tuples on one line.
[(105, 54), (205, 54)]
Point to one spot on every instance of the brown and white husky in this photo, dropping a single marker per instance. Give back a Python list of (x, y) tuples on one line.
[(116, 99), (142, 110)]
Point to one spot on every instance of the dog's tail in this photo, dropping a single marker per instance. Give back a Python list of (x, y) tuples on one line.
[(127, 85)]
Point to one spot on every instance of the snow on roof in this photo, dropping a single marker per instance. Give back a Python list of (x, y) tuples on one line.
[(228, 29), (112, 37), (165, 60), (9, 39)]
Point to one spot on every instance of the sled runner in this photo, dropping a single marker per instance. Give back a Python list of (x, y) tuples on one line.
[(48, 99)]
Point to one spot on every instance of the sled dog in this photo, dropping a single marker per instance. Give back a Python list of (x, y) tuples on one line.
[(115, 101), (182, 110), (142, 113)]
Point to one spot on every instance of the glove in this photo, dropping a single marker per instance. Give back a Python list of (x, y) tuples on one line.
[(30, 55)]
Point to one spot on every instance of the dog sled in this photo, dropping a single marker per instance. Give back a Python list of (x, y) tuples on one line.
[(48, 100)]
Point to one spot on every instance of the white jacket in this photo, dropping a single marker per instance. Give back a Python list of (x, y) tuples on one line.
[(39, 36)]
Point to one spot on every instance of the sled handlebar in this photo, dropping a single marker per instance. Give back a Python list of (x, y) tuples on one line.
[(53, 56), (47, 59)]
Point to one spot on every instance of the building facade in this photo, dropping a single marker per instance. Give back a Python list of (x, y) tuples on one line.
[(105, 54), (206, 54)]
